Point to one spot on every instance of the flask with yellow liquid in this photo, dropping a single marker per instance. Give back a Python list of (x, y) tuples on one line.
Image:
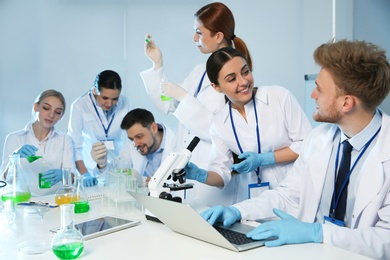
[(64, 194)]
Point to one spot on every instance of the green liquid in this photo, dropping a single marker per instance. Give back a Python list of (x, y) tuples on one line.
[(42, 183), (68, 251), (81, 206), (19, 197), (32, 158), (165, 98)]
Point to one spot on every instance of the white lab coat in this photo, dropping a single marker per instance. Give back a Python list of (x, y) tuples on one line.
[(194, 114), (282, 123), (301, 192), (56, 149), (136, 161), (86, 129)]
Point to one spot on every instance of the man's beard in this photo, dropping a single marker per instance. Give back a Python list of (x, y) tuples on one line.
[(148, 148), (333, 116)]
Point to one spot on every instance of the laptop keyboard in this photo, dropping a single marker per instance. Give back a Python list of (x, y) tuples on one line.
[(234, 237)]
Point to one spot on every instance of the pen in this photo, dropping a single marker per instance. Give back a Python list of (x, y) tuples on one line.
[(32, 203)]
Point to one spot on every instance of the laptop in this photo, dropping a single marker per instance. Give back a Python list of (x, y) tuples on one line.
[(183, 219)]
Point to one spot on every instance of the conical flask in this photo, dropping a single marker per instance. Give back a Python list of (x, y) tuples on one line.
[(65, 193), (68, 243), (16, 189), (79, 197)]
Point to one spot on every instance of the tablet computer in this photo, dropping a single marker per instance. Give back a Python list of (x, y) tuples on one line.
[(102, 226)]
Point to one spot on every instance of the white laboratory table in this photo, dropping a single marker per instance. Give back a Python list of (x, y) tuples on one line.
[(149, 240)]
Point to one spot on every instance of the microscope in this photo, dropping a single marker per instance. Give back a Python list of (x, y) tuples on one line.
[(171, 168)]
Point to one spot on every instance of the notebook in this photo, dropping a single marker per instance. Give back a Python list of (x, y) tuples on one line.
[(183, 219)]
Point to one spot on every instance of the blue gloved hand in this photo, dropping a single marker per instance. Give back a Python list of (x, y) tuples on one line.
[(89, 180), (289, 230), (193, 172), (53, 175), (26, 150), (252, 161), (225, 215)]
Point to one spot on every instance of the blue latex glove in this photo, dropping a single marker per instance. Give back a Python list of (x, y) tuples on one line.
[(26, 150), (53, 175), (252, 161), (289, 230), (193, 172), (89, 180), (225, 215)]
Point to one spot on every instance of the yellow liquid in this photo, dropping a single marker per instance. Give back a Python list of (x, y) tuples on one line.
[(75, 199), (63, 199)]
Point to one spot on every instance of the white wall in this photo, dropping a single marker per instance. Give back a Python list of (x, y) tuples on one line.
[(372, 23), (64, 44)]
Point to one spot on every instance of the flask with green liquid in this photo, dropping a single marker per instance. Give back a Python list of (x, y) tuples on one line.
[(33, 158), (16, 189), (68, 242), (79, 197)]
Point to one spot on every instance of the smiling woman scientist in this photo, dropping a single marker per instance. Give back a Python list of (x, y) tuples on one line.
[(264, 125), (194, 102), (96, 116)]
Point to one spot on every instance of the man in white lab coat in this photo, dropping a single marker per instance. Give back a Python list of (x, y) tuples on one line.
[(353, 81), (148, 145)]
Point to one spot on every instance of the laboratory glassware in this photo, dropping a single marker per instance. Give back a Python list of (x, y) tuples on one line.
[(32, 158), (64, 194), (16, 189), (79, 196), (68, 242)]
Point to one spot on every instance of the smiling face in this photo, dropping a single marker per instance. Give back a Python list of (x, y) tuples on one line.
[(204, 40), (144, 138), (49, 111), (107, 98), (327, 99), (235, 81)]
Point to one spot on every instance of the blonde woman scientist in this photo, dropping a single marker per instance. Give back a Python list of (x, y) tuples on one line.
[(96, 117), (194, 102), (40, 137), (265, 126)]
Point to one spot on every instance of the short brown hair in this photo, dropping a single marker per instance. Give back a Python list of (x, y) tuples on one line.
[(358, 68)]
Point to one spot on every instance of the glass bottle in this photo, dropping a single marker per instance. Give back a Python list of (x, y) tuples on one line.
[(64, 194), (16, 188), (68, 243), (79, 197)]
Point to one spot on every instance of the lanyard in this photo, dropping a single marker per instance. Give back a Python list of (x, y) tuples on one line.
[(257, 133), (336, 200), (97, 113), (200, 84)]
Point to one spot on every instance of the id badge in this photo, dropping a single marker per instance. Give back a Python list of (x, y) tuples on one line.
[(109, 144), (330, 221), (255, 189)]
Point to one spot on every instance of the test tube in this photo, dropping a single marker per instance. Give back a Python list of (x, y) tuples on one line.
[(164, 98)]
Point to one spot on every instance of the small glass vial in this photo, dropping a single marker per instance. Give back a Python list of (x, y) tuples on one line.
[(79, 197), (64, 194), (68, 243)]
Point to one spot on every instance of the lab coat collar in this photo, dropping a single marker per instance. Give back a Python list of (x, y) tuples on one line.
[(28, 130)]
